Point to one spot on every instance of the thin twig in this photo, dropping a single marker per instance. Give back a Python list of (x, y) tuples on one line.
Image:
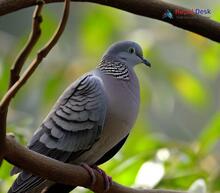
[(44, 51), (41, 54), (15, 71), (33, 38), (27, 74), (60, 172)]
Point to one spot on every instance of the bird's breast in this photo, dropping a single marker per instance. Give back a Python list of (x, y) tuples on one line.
[(123, 103), (123, 99)]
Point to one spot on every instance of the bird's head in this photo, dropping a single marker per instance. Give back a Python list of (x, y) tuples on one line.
[(128, 52)]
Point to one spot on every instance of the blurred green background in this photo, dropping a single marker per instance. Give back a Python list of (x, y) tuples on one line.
[(175, 141)]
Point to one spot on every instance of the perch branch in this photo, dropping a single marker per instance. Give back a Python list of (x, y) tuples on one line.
[(148, 8), (60, 172)]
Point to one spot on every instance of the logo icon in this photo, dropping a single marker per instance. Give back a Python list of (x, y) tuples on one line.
[(168, 14)]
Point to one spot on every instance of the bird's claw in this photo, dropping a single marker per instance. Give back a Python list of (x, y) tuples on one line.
[(107, 179), (90, 169)]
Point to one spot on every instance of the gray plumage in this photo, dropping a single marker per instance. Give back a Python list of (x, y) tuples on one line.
[(91, 117)]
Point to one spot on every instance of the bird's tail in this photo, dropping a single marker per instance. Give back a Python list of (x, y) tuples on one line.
[(25, 182), (28, 183)]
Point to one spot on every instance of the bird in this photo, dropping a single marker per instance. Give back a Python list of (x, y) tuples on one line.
[(91, 120)]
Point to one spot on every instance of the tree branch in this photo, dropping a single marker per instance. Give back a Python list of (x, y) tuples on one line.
[(15, 71), (34, 37), (148, 8), (15, 86), (60, 172), (40, 56)]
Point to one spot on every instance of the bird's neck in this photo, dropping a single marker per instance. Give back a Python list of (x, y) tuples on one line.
[(112, 66)]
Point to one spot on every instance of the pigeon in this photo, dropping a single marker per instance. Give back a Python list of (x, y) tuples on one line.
[(91, 120)]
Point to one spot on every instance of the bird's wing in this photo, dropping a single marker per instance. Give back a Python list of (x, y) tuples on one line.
[(76, 121), (72, 127)]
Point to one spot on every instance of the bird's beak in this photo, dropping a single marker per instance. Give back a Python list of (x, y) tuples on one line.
[(146, 62)]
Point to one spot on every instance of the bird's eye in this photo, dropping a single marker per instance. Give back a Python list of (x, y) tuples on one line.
[(131, 50)]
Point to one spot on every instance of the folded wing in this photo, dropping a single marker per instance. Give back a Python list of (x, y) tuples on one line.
[(72, 127)]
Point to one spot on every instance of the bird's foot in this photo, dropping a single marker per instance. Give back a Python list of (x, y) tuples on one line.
[(90, 169), (107, 179)]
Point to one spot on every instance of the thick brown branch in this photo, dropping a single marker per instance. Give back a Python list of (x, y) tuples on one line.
[(148, 8), (61, 172), (34, 37)]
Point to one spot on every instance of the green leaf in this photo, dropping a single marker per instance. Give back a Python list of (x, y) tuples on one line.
[(209, 61), (211, 134), (5, 170)]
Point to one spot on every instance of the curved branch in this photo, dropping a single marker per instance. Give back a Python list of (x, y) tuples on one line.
[(148, 8), (15, 71), (14, 84), (34, 37), (60, 172), (40, 56)]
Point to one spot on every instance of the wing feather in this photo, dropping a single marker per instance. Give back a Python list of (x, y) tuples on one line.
[(72, 127)]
